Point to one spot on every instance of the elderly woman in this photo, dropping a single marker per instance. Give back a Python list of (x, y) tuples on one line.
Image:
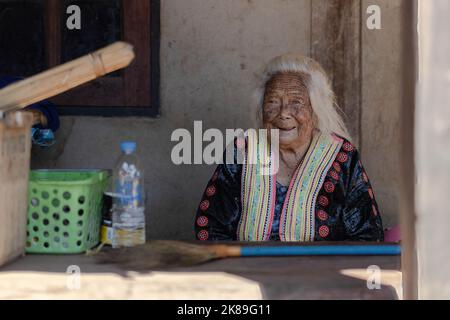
[(320, 191)]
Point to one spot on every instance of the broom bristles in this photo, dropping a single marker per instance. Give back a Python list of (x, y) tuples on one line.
[(156, 254)]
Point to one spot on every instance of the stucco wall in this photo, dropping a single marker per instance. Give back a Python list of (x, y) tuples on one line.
[(210, 53), (381, 103)]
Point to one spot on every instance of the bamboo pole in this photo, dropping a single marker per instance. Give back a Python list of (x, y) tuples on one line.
[(407, 151), (66, 76)]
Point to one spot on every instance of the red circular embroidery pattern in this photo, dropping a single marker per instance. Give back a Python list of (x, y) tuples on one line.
[(337, 166), (215, 176), (204, 205), (334, 174), (329, 187), (322, 215), (370, 193), (323, 201), (202, 221), (348, 147), (374, 211), (203, 235), (324, 231), (342, 157), (211, 191)]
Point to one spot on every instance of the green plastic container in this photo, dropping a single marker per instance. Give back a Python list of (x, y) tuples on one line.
[(64, 210)]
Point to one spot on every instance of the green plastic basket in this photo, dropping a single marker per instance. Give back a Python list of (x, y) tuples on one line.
[(64, 210)]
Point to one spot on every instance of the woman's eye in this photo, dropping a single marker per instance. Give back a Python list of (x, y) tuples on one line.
[(272, 102), (299, 101)]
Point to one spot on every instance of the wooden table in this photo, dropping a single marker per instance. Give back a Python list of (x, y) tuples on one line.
[(343, 277)]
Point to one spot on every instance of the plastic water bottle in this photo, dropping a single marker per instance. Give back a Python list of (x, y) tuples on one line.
[(128, 209)]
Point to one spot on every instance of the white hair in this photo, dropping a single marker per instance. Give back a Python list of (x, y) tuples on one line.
[(321, 95)]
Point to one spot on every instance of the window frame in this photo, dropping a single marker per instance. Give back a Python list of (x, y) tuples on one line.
[(146, 102)]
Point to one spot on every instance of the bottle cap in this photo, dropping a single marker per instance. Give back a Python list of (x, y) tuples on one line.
[(128, 146)]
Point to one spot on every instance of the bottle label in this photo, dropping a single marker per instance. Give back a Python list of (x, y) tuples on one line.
[(107, 234), (128, 238), (129, 193)]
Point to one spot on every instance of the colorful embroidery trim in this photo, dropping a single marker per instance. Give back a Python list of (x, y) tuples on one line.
[(298, 213), (297, 218), (258, 191)]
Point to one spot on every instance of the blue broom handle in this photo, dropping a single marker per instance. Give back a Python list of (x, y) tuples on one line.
[(325, 250)]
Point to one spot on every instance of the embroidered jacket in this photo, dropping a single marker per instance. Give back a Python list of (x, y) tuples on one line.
[(328, 200)]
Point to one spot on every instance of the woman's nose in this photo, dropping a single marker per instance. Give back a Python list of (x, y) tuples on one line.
[(285, 112)]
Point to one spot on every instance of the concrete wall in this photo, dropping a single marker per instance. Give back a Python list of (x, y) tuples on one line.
[(210, 52), (381, 105)]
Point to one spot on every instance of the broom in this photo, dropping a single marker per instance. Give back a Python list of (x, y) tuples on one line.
[(169, 254)]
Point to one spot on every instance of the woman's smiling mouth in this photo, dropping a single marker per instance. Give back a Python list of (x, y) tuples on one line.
[(288, 133), (287, 129)]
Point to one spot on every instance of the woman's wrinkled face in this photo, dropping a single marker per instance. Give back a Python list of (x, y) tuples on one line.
[(287, 107)]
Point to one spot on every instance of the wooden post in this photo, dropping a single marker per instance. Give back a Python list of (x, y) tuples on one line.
[(406, 151), (15, 146), (433, 151), (336, 45)]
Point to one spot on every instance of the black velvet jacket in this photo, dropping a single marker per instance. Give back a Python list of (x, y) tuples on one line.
[(346, 209)]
